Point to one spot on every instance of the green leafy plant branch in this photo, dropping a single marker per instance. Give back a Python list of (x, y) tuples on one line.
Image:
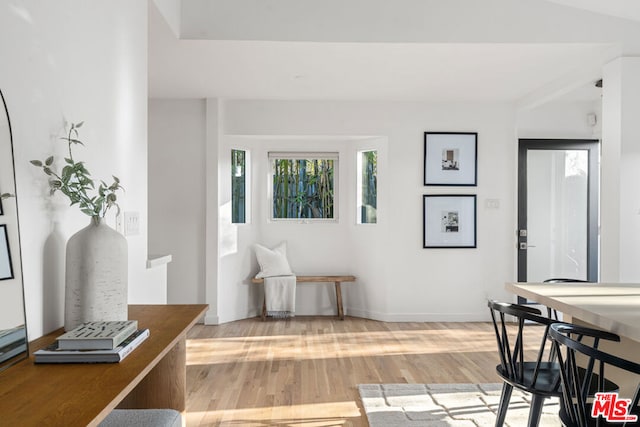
[(76, 183)]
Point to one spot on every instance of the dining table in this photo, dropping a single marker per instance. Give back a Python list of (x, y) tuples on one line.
[(614, 307)]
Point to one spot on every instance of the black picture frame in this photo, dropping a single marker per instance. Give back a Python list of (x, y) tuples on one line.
[(1, 211), (449, 221), (6, 265), (451, 158)]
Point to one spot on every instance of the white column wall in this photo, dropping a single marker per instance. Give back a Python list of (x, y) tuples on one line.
[(213, 297), (177, 195), (621, 171)]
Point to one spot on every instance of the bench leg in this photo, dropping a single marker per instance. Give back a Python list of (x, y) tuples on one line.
[(264, 309), (339, 301)]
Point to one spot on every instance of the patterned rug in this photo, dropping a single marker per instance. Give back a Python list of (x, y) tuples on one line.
[(460, 405)]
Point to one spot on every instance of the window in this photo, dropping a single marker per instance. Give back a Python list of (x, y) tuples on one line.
[(367, 191), (238, 186), (304, 185)]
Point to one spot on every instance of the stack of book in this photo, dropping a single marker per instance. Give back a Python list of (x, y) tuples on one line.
[(12, 342), (94, 342)]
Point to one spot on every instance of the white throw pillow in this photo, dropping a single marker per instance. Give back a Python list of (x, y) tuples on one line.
[(273, 262)]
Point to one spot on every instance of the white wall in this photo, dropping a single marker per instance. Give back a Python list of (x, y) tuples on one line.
[(312, 248), (77, 61), (411, 283), (397, 278), (177, 194), (561, 120)]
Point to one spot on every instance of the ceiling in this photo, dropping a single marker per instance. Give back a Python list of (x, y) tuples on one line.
[(519, 71)]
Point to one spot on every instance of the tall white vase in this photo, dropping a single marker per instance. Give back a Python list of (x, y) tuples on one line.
[(96, 275)]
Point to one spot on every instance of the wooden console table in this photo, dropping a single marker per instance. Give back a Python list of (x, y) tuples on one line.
[(152, 376), (316, 279)]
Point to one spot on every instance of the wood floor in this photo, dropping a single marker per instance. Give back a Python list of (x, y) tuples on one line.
[(304, 371)]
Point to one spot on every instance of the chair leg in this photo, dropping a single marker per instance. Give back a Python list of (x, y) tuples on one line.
[(505, 397), (535, 411)]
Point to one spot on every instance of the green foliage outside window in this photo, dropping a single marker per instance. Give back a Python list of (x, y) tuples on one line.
[(303, 188), (238, 187), (369, 180)]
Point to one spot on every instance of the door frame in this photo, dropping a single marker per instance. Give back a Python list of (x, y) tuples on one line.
[(593, 193)]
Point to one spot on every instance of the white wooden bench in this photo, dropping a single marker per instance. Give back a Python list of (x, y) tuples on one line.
[(316, 279)]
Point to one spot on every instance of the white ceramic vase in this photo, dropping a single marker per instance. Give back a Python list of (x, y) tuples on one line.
[(96, 275)]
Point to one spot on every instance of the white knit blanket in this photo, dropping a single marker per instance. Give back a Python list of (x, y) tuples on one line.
[(280, 296)]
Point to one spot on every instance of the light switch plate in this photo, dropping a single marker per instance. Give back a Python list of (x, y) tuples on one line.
[(131, 223), (492, 203)]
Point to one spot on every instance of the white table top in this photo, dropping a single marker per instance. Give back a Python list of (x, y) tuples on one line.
[(611, 306)]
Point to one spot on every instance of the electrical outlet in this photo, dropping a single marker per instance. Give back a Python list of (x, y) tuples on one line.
[(131, 223)]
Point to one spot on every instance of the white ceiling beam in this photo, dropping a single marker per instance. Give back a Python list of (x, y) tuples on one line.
[(394, 21), (170, 10), (559, 88), (626, 9)]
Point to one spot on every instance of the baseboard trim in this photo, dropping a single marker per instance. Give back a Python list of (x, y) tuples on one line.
[(374, 315), (420, 317), (211, 320)]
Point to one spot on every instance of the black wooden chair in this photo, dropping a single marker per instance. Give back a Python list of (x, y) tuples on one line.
[(539, 376), (580, 383)]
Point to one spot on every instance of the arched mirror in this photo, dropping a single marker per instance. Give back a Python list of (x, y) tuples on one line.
[(13, 336)]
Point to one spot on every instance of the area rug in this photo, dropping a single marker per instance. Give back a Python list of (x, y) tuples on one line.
[(460, 405)]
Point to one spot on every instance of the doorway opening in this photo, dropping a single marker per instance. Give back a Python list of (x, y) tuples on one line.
[(558, 210)]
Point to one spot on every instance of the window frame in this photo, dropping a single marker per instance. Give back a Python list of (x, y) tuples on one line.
[(247, 185), (359, 198), (304, 155)]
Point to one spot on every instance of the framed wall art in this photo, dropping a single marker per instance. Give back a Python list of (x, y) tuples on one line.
[(6, 269), (451, 158), (449, 221)]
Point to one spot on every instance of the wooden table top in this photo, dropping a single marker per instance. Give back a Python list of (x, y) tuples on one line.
[(83, 394), (611, 306)]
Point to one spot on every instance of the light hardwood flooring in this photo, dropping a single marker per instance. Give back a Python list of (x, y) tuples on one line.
[(304, 371)]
